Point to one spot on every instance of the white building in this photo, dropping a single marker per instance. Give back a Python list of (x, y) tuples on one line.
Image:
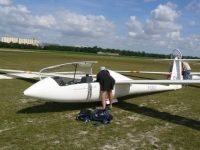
[(101, 53), (8, 39), (114, 54)]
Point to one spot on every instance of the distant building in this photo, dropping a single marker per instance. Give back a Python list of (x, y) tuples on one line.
[(113, 54), (101, 53), (8, 39)]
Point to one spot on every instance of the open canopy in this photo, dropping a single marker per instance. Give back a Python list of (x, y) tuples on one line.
[(69, 70)]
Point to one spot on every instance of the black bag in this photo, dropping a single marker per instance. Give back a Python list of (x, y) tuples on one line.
[(101, 115), (84, 115)]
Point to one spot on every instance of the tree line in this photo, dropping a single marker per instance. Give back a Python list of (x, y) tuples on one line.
[(94, 49)]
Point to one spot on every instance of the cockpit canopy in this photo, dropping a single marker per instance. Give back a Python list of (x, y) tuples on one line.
[(72, 71)]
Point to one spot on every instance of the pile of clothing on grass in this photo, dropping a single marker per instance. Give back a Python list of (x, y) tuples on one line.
[(100, 115)]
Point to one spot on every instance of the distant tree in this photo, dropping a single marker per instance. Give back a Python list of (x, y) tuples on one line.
[(94, 49)]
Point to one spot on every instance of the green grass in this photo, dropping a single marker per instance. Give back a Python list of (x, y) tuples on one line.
[(166, 120)]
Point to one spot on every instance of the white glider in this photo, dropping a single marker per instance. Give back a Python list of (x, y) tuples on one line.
[(66, 83)]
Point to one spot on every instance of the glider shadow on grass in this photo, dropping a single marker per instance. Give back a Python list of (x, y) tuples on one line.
[(153, 113), (146, 111)]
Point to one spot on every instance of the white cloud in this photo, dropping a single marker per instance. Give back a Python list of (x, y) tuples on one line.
[(192, 42), (141, 36), (20, 17), (154, 27), (173, 35), (133, 23), (162, 19), (191, 5), (5, 2), (63, 23), (164, 13), (160, 29), (198, 7), (172, 5), (192, 23), (71, 23), (194, 5)]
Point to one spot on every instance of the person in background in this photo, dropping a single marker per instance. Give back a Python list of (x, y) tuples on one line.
[(170, 67), (107, 83), (185, 71)]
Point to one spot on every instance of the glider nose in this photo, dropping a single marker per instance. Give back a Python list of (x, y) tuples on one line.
[(34, 91), (41, 89), (31, 92)]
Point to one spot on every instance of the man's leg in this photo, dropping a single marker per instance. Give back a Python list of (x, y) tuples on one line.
[(103, 99), (184, 75), (187, 75), (110, 95)]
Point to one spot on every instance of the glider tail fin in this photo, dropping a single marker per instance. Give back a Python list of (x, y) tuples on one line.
[(176, 71)]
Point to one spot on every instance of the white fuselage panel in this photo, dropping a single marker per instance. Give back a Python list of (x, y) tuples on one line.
[(48, 89)]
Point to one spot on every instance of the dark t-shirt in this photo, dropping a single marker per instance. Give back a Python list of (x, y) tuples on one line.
[(106, 81)]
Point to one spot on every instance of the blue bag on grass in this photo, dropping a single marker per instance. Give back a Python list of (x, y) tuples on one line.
[(101, 115)]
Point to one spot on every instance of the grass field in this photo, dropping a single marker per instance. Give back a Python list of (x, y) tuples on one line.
[(165, 121)]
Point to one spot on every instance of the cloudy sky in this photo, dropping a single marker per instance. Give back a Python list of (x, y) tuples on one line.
[(153, 26)]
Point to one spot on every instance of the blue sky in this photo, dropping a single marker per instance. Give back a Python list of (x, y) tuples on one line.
[(153, 26)]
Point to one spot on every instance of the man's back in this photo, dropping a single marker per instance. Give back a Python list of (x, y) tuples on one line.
[(186, 66)]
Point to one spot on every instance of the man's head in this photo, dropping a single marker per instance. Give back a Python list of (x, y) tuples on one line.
[(102, 68)]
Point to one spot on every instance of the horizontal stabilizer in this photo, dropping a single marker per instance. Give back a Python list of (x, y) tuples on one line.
[(177, 60), (143, 72), (167, 82)]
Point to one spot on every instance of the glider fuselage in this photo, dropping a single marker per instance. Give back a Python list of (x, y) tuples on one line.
[(48, 89)]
